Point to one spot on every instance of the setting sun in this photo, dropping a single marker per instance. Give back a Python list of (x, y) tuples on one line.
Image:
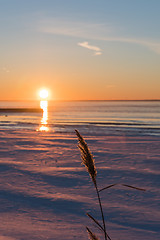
[(43, 94)]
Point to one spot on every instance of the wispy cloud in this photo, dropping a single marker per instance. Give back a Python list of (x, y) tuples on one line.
[(5, 69), (111, 86), (97, 53), (93, 31), (154, 46), (73, 29), (97, 50)]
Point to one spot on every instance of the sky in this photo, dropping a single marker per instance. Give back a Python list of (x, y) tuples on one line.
[(80, 50)]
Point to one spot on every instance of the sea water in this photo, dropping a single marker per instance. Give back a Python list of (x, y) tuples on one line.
[(94, 117)]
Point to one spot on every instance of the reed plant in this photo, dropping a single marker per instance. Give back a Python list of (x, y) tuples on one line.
[(88, 161)]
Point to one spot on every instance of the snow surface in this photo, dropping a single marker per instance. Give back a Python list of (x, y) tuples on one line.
[(45, 191)]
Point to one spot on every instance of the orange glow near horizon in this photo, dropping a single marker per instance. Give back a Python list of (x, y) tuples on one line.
[(70, 88)]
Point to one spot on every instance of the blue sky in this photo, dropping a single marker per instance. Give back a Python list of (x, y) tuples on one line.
[(113, 46)]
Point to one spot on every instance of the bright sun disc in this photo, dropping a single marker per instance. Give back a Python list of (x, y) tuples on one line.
[(43, 93)]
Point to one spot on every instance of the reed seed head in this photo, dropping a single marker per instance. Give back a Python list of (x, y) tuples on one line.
[(87, 158)]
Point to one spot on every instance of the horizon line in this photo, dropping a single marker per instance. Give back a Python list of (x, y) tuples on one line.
[(78, 100)]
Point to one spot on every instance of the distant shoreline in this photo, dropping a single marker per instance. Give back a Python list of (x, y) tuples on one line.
[(6, 110)]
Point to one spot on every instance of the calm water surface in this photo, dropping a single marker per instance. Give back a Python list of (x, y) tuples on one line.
[(90, 116)]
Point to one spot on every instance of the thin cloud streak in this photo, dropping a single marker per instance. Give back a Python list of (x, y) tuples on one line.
[(154, 46), (92, 31), (97, 53), (97, 50), (73, 29)]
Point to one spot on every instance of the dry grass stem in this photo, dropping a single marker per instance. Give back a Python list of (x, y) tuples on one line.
[(137, 188), (95, 221), (125, 185), (98, 224), (92, 236)]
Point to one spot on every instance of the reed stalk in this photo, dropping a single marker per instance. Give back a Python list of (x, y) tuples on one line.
[(101, 209), (88, 161)]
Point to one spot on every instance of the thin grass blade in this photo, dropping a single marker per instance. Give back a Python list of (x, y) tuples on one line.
[(112, 185), (92, 236), (99, 225), (94, 220), (137, 188), (125, 185)]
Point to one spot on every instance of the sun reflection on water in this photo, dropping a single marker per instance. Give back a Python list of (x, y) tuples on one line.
[(44, 121)]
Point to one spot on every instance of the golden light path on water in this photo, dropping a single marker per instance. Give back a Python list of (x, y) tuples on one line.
[(44, 121)]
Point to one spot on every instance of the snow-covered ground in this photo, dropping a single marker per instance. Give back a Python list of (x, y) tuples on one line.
[(45, 191)]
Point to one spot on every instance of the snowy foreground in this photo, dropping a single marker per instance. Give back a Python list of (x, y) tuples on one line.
[(45, 191)]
